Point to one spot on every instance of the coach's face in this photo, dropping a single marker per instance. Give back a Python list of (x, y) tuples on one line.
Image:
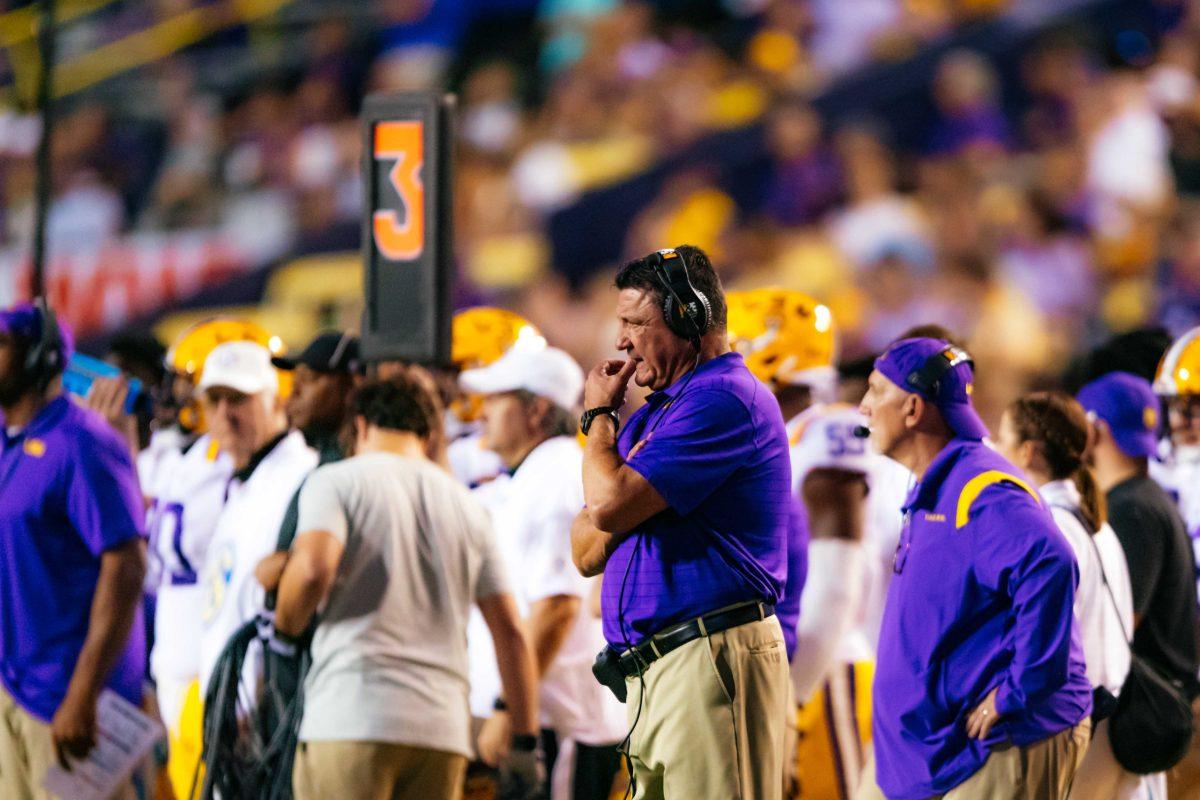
[(889, 412), (660, 356), (242, 423)]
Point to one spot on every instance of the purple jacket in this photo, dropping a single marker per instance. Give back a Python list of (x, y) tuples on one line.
[(982, 598)]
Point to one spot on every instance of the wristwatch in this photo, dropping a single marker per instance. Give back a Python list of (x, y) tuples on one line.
[(585, 422), (524, 743)]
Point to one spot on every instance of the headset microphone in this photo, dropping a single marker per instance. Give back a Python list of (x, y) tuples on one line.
[(861, 432)]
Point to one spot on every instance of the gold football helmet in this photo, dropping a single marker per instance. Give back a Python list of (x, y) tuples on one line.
[(1179, 371), (185, 360), (781, 333), (480, 336)]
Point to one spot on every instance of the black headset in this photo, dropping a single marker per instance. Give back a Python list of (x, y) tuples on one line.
[(44, 360), (927, 380), (685, 308)]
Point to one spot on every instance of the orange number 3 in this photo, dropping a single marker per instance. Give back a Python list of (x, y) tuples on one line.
[(402, 142)]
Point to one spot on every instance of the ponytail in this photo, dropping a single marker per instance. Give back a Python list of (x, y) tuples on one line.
[(1092, 503), (1059, 426)]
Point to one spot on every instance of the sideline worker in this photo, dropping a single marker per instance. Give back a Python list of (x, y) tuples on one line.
[(394, 552), (72, 561)]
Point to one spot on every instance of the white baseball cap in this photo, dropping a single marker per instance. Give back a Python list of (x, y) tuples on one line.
[(242, 366), (549, 373)]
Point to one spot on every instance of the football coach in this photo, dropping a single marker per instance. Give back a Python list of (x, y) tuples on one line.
[(687, 519)]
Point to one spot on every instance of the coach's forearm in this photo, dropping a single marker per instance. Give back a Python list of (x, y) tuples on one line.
[(591, 547), (618, 497), (114, 608), (601, 464)]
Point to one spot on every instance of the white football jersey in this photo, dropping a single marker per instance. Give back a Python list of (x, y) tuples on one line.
[(246, 533), (532, 512), (1178, 472), (822, 436), (182, 520), (157, 462), (155, 467)]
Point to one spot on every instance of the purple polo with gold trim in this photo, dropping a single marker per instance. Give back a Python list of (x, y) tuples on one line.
[(981, 599), (713, 444), (68, 492)]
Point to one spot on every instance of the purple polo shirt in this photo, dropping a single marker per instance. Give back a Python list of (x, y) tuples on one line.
[(714, 446), (981, 598), (68, 492)]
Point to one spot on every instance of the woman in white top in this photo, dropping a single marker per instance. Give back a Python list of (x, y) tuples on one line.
[(1046, 435)]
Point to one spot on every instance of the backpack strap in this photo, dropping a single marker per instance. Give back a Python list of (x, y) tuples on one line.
[(1091, 532)]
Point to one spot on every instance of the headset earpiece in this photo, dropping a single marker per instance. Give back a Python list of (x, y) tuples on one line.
[(927, 380), (686, 310), (44, 359)]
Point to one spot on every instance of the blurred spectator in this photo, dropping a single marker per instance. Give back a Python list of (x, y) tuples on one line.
[(806, 181), (877, 217), (85, 215), (969, 114), (845, 33)]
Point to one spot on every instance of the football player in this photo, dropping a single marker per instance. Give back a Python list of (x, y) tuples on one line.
[(851, 504), (187, 494), (1178, 384)]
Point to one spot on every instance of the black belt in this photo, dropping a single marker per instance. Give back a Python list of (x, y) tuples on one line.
[(637, 658)]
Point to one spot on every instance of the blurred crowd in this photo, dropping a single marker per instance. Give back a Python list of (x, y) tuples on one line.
[(1038, 211)]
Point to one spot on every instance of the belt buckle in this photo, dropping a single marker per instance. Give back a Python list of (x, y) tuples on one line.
[(639, 662)]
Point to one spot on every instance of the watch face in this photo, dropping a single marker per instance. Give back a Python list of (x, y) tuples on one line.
[(589, 416)]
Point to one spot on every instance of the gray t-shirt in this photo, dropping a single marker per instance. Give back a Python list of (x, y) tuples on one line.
[(390, 651)]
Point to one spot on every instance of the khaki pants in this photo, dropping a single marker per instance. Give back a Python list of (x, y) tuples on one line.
[(27, 752), (376, 771), (1041, 771), (1184, 778), (710, 723), (1100, 775)]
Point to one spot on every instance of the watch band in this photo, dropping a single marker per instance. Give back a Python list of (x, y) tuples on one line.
[(589, 416), (524, 742)]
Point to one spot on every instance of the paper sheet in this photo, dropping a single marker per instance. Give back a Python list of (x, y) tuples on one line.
[(124, 735)]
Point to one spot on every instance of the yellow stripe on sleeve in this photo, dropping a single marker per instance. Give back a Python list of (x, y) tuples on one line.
[(975, 487)]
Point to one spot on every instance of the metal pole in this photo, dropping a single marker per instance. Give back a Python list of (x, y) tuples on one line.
[(45, 97)]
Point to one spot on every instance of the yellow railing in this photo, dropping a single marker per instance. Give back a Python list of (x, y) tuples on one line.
[(18, 29)]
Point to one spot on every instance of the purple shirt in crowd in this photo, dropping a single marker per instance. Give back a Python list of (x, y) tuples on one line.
[(981, 598), (68, 492), (714, 446)]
